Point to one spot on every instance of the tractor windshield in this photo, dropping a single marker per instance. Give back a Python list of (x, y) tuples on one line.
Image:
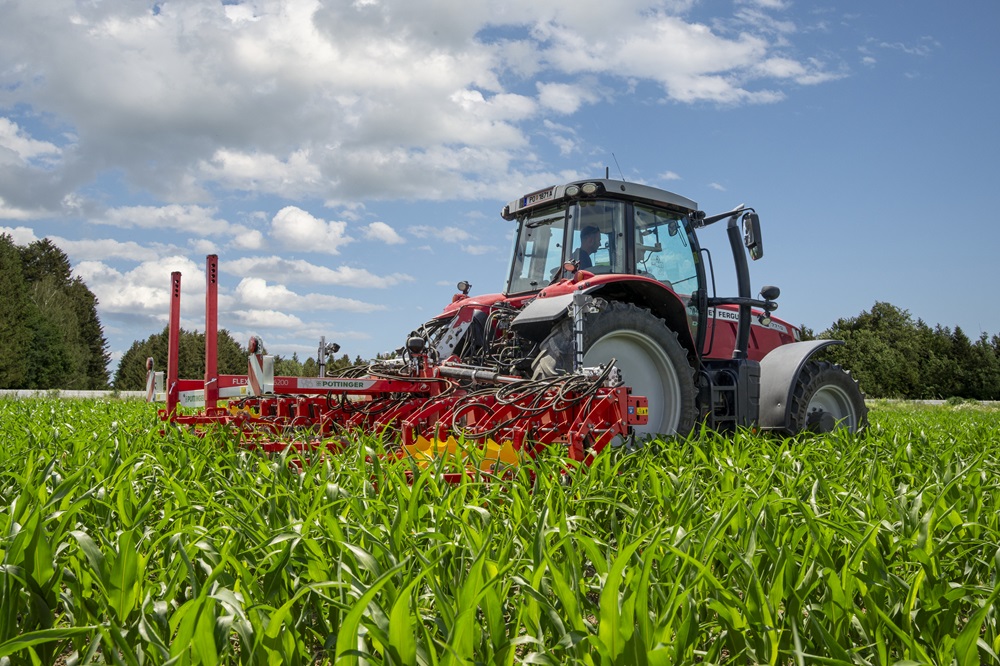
[(604, 236), (588, 232), (538, 253)]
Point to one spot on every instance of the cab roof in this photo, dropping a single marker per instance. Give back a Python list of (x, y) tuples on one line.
[(604, 189)]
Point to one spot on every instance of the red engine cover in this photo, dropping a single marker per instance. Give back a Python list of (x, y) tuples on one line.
[(720, 334)]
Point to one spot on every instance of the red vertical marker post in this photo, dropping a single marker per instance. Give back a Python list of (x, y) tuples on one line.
[(211, 331), (173, 342)]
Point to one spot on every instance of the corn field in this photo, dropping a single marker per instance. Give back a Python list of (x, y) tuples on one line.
[(121, 546)]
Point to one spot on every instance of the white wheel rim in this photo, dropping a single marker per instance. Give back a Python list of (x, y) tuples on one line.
[(647, 369), (837, 403)]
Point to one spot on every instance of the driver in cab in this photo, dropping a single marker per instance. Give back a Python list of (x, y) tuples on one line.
[(590, 240)]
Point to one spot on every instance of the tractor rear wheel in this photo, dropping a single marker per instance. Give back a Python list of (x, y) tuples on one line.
[(651, 359), (827, 398)]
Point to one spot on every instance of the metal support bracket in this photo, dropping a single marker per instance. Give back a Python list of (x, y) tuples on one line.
[(580, 301)]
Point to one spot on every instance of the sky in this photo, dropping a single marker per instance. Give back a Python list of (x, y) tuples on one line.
[(348, 160)]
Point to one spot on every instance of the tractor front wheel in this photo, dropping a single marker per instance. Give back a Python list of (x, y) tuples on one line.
[(652, 361), (825, 399)]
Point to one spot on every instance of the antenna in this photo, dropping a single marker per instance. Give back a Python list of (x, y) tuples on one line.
[(616, 164)]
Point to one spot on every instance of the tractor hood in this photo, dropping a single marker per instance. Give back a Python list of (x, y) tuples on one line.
[(461, 301)]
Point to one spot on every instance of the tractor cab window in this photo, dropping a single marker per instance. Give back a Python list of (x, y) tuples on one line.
[(538, 251), (663, 249), (597, 229)]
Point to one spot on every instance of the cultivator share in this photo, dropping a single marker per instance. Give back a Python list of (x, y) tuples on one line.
[(609, 329)]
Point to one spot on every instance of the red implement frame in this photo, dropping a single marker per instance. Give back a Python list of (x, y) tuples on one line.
[(410, 404)]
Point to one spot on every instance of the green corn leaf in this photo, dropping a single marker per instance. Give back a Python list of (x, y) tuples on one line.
[(402, 644), (967, 643), (347, 635), (124, 575), (95, 558), (610, 630), (42, 637)]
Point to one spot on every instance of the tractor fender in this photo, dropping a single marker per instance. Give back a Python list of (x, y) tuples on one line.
[(536, 319), (779, 371)]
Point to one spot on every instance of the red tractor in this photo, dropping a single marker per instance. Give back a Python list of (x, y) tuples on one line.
[(606, 269), (609, 327)]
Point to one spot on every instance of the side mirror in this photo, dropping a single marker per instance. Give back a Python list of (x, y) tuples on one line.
[(751, 236), (770, 292)]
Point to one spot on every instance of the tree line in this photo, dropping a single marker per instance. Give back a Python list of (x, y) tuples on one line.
[(50, 334), (894, 356)]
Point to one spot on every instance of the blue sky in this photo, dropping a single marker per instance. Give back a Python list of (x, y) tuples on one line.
[(348, 160)]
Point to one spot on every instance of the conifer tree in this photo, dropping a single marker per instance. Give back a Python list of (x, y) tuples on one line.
[(69, 349), (15, 316)]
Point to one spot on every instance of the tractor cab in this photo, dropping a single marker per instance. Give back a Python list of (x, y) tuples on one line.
[(592, 227)]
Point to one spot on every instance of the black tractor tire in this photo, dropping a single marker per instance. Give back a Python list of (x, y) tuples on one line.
[(651, 358), (826, 398)]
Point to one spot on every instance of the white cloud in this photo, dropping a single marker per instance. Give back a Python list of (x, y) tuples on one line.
[(566, 145), (17, 147), (93, 250), (196, 220), (380, 231), (768, 4), (20, 235), (248, 239), (203, 246), (299, 271), (761, 21), (479, 249), (265, 319), (566, 98), (240, 13), (690, 61), (717, 187), (257, 293), (446, 234), (810, 73), (669, 175), (296, 229), (922, 48), (105, 249), (496, 107), (145, 290), (563, 137), (297, 174)]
